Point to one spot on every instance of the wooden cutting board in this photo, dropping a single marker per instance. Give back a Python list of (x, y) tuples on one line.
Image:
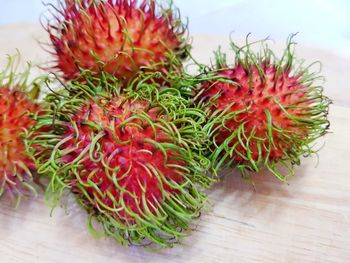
[(306, 220)]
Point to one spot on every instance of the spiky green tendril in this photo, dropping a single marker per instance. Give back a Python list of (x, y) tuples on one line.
[(17, 182), (63, 16), (314, 106), (161, 224)]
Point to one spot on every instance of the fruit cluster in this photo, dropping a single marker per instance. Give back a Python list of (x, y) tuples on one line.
[(134, 137)]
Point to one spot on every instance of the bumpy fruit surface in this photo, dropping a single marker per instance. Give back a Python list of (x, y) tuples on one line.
[(15, 165), (119, 37), (131, 162), (127, 173), (266, 112)]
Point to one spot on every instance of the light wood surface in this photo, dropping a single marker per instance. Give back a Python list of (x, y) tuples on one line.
[(306, 220)]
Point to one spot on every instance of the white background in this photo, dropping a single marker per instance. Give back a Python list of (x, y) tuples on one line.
[(324, 23)]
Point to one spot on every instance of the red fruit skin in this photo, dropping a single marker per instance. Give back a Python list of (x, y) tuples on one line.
[(253, 96), (125, 148), (15, 107), (118, 37)]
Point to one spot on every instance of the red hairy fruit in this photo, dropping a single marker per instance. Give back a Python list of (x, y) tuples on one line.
[(119, 174), (15, 164), (266, 112), (120, 37), (131, 162), (252, 104)]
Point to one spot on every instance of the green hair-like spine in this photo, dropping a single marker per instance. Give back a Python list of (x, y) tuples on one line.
[(16, 78), (184, 125), (316, 123)]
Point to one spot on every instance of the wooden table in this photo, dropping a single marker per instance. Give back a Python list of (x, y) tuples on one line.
[(306, 220)]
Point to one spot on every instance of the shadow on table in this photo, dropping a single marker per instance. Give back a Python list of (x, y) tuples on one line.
[(264, 196)]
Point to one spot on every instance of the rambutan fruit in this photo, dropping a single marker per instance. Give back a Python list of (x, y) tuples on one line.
[(265, 112), (17, 104), (132, 163), (120, 37)]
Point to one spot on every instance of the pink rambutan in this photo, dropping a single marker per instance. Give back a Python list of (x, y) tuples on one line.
[(266, 111), (130, 149), (16, 106), (131, 162), (119, 37)]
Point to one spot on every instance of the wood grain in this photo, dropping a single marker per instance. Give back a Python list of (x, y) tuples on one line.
[(306, 220)]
